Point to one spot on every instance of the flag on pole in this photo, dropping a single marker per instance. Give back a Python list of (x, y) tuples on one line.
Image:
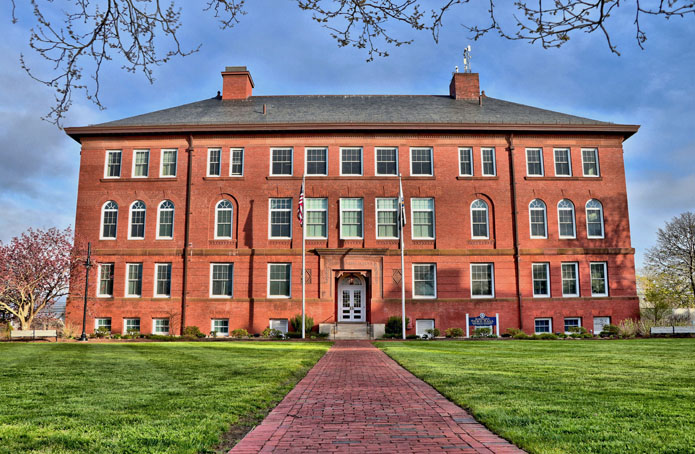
[(401, 207), (300, 206)]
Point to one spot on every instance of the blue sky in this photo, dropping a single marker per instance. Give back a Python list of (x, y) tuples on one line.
[(288, 53)]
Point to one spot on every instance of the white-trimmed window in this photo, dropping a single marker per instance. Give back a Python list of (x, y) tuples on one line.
[(167, 167), (131, 325), (541, 280), (141, 163), (316, 217), (214, 162), (599, 279), (482, 280), (133, 284), (281, 161), (572, 322), (279, 280), (138, 213), (422, 216), (280, 324), (351, 161), (386, 161), (488, 160), (222, 280), (162, 283), (112, 167), (590, 165), (570, 279), (534, 162), (422, 325), (220, 326), (386, 218), (351, 219), (165, 220), (421, 162), (224, 212), (538, 221), (316, 161), (480, 228), (466, 162), (563, 162), (102, 322), (160, 326), (236, 162), (105, 279), (543, 325), (280, 218), (424, 280), (565, 219), (109, 220), (594, 219)]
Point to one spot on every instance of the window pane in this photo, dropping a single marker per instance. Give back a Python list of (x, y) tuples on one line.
[(169, 163), (488, 161), (598, 279), (316, 161), (562, 162), (534, 160), (466, 161), (134, 279), (423, 280), (237, 164), (279, 280), (280, 218), (110, 221), (351, 218), (590, 162), (222, 279), (316, 217), (421, 161), (164, 279), (214, 162), (542, 325), (282, 161), (351, 161), (142, 160), (481, 280), (386, 163), (540, 279), (106, 279), (113, 163), (569, 279)]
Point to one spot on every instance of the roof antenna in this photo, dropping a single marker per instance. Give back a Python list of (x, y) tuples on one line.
[(467, 59)]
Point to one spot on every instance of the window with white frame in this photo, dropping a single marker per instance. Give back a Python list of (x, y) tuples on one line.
[(236, 162), (386, 218), (590, 165), (214, 162), (570, 279), (220, 326), (421, 162), (165, 220), (599, 279), (386, 161), (594, 219), (222, 280), (281, 161), (543, 325), (488, 160), (102, 323), (316, 217), (141, 163), (279, 280), (317, 161), (160, 326), (280, 218), (112, 168), (137, 220), (133, 286), (466, 162), (534, 162), (351, 161), (538, 219), (565, 219), (572, 322), (131, 325), (109, 220), (351, 216), (422, 326), (162, 285), (105, 288), (422, 216), (424, 280), (223, 220), (563, 162), (541, 280), (168, 164), (482, 280), (480, 228), (280, 324)]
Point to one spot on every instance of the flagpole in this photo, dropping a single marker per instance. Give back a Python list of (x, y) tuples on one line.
[(303, 260), (401, 224)]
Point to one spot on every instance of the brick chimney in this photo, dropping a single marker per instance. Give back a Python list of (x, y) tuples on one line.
[(236, 83), (464, 86)]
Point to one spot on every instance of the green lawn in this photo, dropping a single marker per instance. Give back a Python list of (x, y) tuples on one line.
[(632, 396), (140, 397)]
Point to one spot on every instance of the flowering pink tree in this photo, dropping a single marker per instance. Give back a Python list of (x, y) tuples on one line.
[(35, 270)]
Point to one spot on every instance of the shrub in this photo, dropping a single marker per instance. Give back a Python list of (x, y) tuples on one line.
[(161, 337), (587, 336), (521, 335), (547, 336), (578, 332), (562, 335), (627, 328), (482, 333), (133, 333), (453, 332), (239, 333), (394, 325), (434, 332), (411, 336), (193, 331), (293, 335), (610, 331), (115, 336), (321, 335), (644, 327), (392, 336), (296, 323), (5, 330), (69, 331), (271, 333), (213, 334), (102, 332), (514, 331)]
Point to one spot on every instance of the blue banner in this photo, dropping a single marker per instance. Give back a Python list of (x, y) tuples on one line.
[(482, 320)]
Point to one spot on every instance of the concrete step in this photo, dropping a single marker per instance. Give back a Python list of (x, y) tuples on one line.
[(350, 331)]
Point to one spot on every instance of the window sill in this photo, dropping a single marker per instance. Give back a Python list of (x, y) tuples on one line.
[(220, 178), (131, 180), (491, 177), (562, 178)]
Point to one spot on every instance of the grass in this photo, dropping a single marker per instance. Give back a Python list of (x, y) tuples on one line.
[(632, 396), (141, 397)]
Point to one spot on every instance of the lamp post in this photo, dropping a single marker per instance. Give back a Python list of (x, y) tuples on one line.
[(87, 266)]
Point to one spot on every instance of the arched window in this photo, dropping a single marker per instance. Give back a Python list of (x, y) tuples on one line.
[(537, 219), (479, 220), (594, 219), (165, 220), (109, 220), (223, 219), (137, 220), (565, 219)]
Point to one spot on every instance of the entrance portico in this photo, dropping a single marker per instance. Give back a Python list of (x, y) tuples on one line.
[(352, 293)]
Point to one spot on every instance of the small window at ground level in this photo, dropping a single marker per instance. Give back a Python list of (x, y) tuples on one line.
[(572, 322), (422, 325), (543, 325), (279, 324), (220, 326), (131, 325), (160, 326), (103, 323)]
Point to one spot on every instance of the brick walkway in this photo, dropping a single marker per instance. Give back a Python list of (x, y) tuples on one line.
[(357, 399)]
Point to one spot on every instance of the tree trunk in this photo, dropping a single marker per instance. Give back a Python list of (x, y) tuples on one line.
[(25, 324)]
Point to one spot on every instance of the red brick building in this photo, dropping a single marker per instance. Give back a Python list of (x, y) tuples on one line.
[(511, 210)]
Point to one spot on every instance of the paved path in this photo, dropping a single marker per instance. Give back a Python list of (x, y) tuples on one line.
[(357, 399)]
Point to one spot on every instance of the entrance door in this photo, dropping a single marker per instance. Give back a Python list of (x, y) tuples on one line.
[(600, 322), (351, 295)]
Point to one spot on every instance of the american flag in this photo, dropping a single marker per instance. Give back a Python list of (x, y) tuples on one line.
[(300, 206), (401, 207)]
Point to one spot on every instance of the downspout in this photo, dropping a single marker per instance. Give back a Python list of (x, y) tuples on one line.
[(187, 230), (515, 225)]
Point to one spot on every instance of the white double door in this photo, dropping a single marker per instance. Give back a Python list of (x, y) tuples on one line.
[(351, 296)]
